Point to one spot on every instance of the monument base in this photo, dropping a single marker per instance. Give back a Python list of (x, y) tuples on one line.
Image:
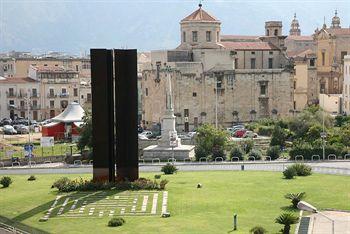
[(164, 153)]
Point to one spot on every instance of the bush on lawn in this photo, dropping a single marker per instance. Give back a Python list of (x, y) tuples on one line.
[(66, 185), (157, 176), (248, 145), (237, 152), (307, 150), (31, 178), (302, 169), (274, 152), (265, 130), (6, 181), (256, 154), (295, 198), (289, 173), (258, 230), (116, 222), (169, 169), (162, 184)]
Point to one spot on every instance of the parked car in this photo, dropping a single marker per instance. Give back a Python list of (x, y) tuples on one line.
[(239, 133), (145, 134), (250, 134), (8, 129), (5, 121), (22, 129)]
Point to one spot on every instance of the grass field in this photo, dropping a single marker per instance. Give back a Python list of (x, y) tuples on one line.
[(257, 198)]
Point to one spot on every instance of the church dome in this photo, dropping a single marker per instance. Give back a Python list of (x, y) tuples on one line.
[(335, 20)]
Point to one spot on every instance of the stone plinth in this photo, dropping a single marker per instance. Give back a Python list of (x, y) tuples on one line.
[(164, 153)]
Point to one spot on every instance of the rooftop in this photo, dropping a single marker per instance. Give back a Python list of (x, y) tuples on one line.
[(17, 80), (248, 45), (200, 15), (53, 69)]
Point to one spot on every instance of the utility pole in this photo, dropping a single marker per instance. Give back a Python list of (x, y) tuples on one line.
[(216, 102)]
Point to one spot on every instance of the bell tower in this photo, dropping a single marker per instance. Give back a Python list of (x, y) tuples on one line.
[(294, 27)]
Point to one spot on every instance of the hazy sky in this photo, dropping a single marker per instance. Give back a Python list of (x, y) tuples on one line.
[(75, 26)]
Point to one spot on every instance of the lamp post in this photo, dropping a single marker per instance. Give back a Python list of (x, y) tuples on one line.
[(216, 102), (302, 205), (27, 100), (323, 134)]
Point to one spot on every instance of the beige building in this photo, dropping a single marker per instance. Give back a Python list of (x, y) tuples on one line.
[(332, 45), (219, 78), (346, 89), (46, 92)]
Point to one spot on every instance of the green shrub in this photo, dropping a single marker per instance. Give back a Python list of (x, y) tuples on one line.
[(144, 184), (307, 150), (274, 152), (295, 198), (6, 181), (248, 145), (116, 222), (218, 152), (200, 152), (256, 154), (265, 130), (258, 230), (169, 169), (157, 176), (31, 178), (289, 173), (162, 184), (237, 152), (302, 169)]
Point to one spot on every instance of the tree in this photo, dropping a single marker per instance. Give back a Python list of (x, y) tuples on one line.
[(278, 137), (286, 219), (295, 198), (85, 132), (210, 142)]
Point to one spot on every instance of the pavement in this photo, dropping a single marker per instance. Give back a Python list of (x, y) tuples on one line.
[(325, 167), (319, 224)]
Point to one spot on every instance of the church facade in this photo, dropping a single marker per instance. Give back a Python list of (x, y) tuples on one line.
[(219, 79)]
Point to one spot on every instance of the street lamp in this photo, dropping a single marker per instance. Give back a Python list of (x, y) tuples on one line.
[(323, 133), (302, 205)]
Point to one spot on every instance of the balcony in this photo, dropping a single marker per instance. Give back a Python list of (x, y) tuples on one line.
[(11, 106), (64, 95), (36, 107), (22, 95), (51, 95), (11, 94), (34, 95)]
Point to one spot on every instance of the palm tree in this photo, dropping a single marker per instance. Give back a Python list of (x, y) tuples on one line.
[(286, 219), (295, 198)]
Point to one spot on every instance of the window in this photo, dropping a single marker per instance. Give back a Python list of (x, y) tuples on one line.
[(230, 80), (52, 113), (276, 32), (270, 63), (217, 37), (34, 92), (75, 91), (194, 94), (52, 104), (312, 62), (267, 32), (323, 58), (186, 112), (195, 36), (82, 96), (22, 103), (64, 90), (146, 92), (23, 114), (208, 36), (342, 55), (89, 97), (11, 92), (219, 83), (35, 115), (271, 52), (253, 52), (236, 63), (295, 84), (252, 63), (322, 88), (51, 92), (35, 103), (64, 104), (77, 67), (184, 36), (12, 102), (263, 89)]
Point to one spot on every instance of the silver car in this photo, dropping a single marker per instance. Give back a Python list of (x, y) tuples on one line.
[(8, 129)]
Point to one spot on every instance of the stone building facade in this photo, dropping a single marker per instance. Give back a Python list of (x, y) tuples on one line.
[(219, 78), (333, 44), (346, 89)]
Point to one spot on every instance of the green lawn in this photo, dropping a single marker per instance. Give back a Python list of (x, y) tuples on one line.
[(257, 198)]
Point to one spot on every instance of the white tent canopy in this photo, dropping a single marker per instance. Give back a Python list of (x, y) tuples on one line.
[(73, 113)]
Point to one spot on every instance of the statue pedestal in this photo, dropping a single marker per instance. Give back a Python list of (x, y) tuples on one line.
[(163, 153)]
